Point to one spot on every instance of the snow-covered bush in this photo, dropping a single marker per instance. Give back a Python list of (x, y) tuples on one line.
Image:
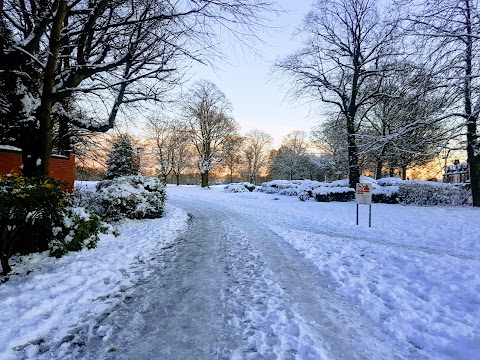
[(78, 230), (239, 187), (300, 188), (338, 193), (29, 208), (275, 186), (32, 215), (424, 193), (133, 197)]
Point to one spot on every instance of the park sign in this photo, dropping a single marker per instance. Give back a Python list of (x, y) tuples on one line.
[(363, 194)]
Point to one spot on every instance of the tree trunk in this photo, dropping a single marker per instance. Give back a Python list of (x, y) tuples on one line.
[(474, 163), (5, 254), (205, 179), (5, 266), (378, 169), (404, 172), (351, 111), (177, 178), (353, 168), (37, 155), (472, 116)]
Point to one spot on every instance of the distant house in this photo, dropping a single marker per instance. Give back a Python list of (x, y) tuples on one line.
[(457, 173), (62, 167)]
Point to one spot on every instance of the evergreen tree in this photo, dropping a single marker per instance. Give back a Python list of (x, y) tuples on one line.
[(121, 158)]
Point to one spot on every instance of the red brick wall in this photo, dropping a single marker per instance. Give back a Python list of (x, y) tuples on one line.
[(60, 168)]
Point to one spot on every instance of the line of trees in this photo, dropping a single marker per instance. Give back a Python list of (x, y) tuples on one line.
[(400, 80), (204, 137)]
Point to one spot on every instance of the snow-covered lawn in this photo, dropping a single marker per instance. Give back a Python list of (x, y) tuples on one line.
[(50, 297), (416, 272)]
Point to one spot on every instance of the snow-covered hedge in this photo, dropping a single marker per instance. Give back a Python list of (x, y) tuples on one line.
[(385, 194), (239, 187), (424, 193), (386, 190), (133, 197), (339, 193), (300, 188), (389, 181)]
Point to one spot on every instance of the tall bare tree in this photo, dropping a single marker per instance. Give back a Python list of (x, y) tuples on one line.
[(347, 43), (107, 53), (450, 34), (207, 113), (256, 151)]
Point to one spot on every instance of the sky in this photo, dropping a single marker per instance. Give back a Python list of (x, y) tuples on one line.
[(259, 98)]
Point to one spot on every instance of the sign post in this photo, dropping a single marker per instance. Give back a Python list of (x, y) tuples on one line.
[(363, 196)]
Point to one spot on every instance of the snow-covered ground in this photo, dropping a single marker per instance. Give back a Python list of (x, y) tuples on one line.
[(415, 275), (416, 272), (50, 298)]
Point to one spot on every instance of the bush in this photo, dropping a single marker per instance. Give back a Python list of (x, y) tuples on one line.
[(36, 215), (300, 188), (425, 193), (339, 193), (29, 208), (239, 187), (133, 197), (79, 230), (385, 195)]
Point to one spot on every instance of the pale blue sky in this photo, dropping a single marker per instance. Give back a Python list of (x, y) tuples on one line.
[(259, 101)]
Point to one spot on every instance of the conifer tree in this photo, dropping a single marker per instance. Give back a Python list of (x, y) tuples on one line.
[(121, 158)]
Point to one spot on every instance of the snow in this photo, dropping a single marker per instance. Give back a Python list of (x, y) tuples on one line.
[(8, 147), (49, 297), (415, 275)]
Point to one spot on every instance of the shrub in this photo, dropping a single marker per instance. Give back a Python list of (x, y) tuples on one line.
[(385, 195), (239, 187), (133, 197), (79, 230), (36, 215), (29, 209), (339, 193), (425, 193)]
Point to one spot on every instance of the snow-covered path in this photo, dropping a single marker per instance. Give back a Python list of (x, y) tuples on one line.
[(230, 288)]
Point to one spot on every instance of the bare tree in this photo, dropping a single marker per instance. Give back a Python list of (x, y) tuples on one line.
[(330, 138), (106, 53), (163, 135), (290, 160), (232, 153), (346, 47), (256, 150), (450, 33), (404, 127), (184, 154), (207, 113)]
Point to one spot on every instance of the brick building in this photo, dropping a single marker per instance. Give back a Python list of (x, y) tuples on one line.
[(62, 167)]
